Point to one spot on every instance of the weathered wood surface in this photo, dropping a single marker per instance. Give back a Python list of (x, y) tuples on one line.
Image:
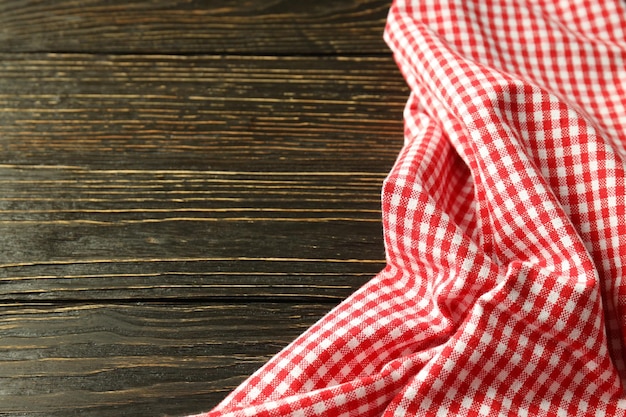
[(289, 114), (284, 27), (197, 177), (136, 359), (171, 216)]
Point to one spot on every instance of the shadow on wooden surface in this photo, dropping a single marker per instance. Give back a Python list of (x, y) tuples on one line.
[(184, 189)]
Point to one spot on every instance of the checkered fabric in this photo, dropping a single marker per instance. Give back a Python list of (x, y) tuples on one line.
[(505, 229)]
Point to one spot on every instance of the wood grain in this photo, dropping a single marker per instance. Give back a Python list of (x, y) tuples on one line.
[(260, 27), (136, 359), (185, 187), (239, 177), (201, 112)]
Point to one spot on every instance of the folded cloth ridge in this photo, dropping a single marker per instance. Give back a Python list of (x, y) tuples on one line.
[(505, 229)]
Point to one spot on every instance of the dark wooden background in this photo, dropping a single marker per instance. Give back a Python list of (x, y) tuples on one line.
[(185, 186)]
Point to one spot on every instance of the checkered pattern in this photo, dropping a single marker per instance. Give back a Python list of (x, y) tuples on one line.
[(505, 229)]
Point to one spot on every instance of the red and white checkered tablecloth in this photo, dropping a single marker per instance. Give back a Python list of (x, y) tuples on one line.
[(505, 229)]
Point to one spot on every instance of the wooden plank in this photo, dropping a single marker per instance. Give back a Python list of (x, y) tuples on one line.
[(136, 360), (202, 113), (180, 259), (187, 26), (207, 177)]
